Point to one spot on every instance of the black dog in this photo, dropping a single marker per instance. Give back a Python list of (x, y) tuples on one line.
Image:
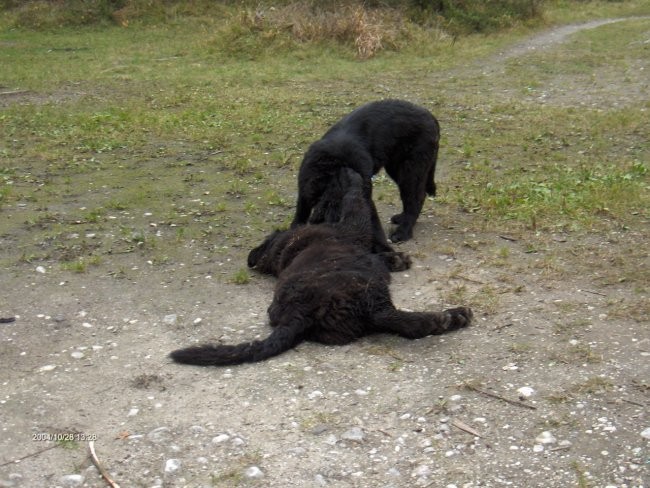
[(331, 288), (392, 134)]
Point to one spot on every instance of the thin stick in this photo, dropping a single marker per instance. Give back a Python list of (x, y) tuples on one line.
[(638, 404), (14, 92), (98, 465), (28, 456), (499, 397), (465, 428), (595, 293)]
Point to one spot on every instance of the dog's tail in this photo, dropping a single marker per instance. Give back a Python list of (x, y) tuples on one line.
[(281, 339)]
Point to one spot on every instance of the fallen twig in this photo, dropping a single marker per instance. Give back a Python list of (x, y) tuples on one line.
[(465, 428), (595, 293), (13, 92), (503, 326), (560, 448), (472, 280), (499, 397), (98, 465), (28, 456), (638, 404), (506, 238)]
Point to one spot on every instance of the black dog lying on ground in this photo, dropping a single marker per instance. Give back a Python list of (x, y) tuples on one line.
[(330, 289), (395, 135)]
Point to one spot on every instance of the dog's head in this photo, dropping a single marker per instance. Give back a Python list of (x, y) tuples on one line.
[(265, 257)]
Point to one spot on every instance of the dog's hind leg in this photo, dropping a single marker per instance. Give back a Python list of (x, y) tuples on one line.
[(431, 181), (414, 325)]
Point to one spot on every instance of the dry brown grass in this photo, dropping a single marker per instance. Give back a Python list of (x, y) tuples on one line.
[(370, 30)]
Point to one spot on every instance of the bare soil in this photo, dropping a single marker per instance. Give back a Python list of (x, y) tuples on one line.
[(549, 387)]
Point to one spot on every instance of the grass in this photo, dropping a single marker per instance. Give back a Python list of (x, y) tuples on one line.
[(157, 141)]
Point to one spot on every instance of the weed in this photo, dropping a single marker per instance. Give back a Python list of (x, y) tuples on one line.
[(81, 264), (595, 385), (520, 348), (241, 277), (580, 474)]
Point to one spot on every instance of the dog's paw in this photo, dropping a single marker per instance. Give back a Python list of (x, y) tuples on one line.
[(401, 234), (399, 261), (397, 218), (460, 317)]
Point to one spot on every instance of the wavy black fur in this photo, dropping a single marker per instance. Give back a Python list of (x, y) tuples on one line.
[(331, 288), (396, 135)]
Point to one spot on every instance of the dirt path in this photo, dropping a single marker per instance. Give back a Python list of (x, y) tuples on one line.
[(548, 389)]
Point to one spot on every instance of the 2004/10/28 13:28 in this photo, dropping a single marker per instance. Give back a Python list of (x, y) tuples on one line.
[(63, 437)]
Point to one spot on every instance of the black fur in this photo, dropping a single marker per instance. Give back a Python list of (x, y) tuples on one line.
[(330, 289), (395, 135)]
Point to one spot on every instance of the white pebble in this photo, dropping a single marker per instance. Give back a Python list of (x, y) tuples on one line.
[(422, 470), (133, 412), (172, 465), (170, 319), (41, 269), (47, 367), (220, 438), (254, 473), (525, 392), (646, 433), (315, 394), (77, 355), (545, 438), (72, 480), (355, 434)]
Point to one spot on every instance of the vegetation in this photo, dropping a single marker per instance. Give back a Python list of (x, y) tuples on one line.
[(180, 126)]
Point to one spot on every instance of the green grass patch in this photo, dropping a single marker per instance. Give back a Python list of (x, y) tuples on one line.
[(158, 138)]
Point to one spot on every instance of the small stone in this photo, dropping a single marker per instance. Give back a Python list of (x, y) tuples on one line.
[(41, 269), (70, 480), (319, 479), (538, 448), (133, 412), (47, 367), (220, 438), (315, 394), (253, 473), (422, 470), (238, 442), (197, 321), (319, 429), (170, 319), (355, 434), (159, 435), (545, 438), (645, 433), (525, 392), (77, 355), (172, 466), (331, 440)]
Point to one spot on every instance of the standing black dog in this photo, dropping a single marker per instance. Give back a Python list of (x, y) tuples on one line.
[(392, 134), (330, 289)]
